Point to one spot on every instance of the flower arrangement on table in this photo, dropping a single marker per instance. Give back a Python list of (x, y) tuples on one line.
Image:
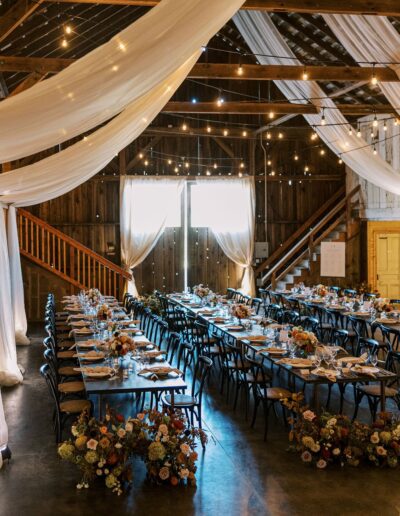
[(213, 299), (166, 442), (382, 304), (241, 311), (93, 296), (120, 344), (305, 341), (100, 449), (152, 303), (335, 439), (104, 312), (201, 291), (321, 290)]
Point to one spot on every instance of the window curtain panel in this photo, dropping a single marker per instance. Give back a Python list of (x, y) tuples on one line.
[(104, 82), (370, 39), (10, 373), (17, 285), (3, 429), (231, 204), (264, 39), (145, 205)]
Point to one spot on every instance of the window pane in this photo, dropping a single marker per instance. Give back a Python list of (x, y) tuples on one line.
[(200, 207), (174, 216)]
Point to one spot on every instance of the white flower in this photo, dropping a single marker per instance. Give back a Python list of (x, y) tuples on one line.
[(92, 444), (374, 438), (129, 427), (99, 472), (165, 439), (321, 464), (121, 432), (74, 431), (118, 445), (331, 422), (316, 448), (336, 451), (79, 486), (184, 473)]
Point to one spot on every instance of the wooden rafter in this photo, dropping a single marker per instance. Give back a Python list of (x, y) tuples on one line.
[(250, 108), (14, 16), (134, 161), (225, 70), (377, 7)]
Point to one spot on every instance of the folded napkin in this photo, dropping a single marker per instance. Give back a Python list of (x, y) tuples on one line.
[(79, 324), (387, 320), (330, 374), (80, 331), (159, 372), (354, 360), (367, 370), (296, 362), (272, 351)]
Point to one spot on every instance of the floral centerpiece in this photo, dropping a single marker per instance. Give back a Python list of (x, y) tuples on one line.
[(201, 291), (93, 296), (101, 450), (382, 305), (152, 302), (241, 311), (321, 290), (213, 299), (120, 344), (306, 341), (171, 456), (104, 312), (335, 439)]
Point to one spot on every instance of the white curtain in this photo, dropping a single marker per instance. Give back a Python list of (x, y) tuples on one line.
[(9, 370), (145, 204), (262, 37), (230, 203), (102, 83), (3, 429), (370, 39), (17, 285)]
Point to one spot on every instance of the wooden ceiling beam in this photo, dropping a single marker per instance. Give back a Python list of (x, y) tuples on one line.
[(265, 108), (240, 108), (15, 15), (374, 7), (252, 72)]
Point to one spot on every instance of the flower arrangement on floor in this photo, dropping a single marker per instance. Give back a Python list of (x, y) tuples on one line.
[(102, 449), (321, 290), (152, 303), (201, 291), (382, 305), (104, 312), (120, 344), (305, 341), (241, 311), (335, 439)]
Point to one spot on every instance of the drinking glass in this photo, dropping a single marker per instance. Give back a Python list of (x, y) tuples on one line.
[(373, 358)]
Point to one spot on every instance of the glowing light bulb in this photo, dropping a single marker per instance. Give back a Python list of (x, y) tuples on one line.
[(396, 121), (375, 152), (242, 165), (323, 121), (140, 155), (176, 169), (240, 174), (305, 75), (184, 127), (240, 70), (350, 131), (306, 168), (226, 132), (146, 163), (375, 122), (280, 136), (384, 126), (187, 165), (358, 133), (272, 172), (215, 165), (209, 129), (269, 162), (271, 114), (322, 152), (64, 43), (268, 135), (122, 46), (244, 134), (208, 173), (314, 136), (374, 80), (340, 161), (68, 29), (170, 162), (296, 158)]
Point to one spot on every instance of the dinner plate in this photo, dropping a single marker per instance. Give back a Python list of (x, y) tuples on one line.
[(92, 358), (257, 338), (366, 369), (91, 372), (92, 343), (84, 331), (298, 362), (325, 372), (234, 328)]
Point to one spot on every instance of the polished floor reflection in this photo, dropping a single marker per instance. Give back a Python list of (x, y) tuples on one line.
[(238, 474)]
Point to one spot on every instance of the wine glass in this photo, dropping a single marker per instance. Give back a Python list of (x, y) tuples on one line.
[(373, 358)]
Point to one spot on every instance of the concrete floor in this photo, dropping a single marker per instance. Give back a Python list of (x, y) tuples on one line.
[(238, 474)]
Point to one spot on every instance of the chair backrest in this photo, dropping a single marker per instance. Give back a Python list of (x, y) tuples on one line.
[(367, 345), (311, 324), (256, 304), (185, 356), (46, 373), (340, 337), (274, 311), (172, 346), (393, 365), (201, 371), (230, 293), (51, 360), (349, 292)]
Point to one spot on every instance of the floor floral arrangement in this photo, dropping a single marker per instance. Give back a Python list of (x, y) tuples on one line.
[(103, 449), (326, 439)]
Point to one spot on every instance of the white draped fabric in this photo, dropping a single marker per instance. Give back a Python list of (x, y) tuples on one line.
[(105, 81), (231, 205), (3, 429), (17, 285), (145, 203), (9, 370), (263, 38), (370, 39)]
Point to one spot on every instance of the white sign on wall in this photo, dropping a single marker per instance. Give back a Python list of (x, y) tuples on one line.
[(333, 259)]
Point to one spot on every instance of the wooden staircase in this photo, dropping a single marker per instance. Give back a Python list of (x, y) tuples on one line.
[(68, 259), (299, 256)]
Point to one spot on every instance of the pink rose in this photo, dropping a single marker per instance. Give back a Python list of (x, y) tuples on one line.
[(321, 464), (309, 415)]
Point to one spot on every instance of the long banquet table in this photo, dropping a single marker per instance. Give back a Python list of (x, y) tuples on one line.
[(119, 384), (293, 373)]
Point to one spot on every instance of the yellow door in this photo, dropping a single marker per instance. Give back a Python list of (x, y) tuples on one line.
[(388, 265)]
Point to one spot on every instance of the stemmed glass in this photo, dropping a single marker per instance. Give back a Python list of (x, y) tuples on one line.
[(373, 358)]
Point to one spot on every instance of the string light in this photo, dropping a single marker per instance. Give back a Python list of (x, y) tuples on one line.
[(296, 157), (242, 165), (375, 122), (244, 134), (146, 162), (322, 152), (323, 121), (209, 129), (240, 70), (176, 169), (340, 161), (187, 164), (226, 132), (269, 162), (384, 126), (358, 131), (350, 131), (170, 162), (64, 43), (271, 115), (372, 134), (141, 155), (215, 166), (314, 136), (68, 29), (268, 135), (375, 152), (374, 80), (306, 168), (396, 121), (280, 136), (305, 75), (208, 173), (290, 182), (220, 99), (184, 126)]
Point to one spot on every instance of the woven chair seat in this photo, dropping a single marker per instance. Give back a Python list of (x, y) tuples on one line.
[(375, 390), (75, 406), (71, 387)]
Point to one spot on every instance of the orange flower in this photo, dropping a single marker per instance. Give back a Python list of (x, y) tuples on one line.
[(103, 429), (174, 481)]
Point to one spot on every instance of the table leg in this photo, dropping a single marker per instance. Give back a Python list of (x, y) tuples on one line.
[(383, 397)]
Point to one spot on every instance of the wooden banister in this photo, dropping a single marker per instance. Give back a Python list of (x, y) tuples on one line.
[(304, 227), (67, 258), (311, 237)]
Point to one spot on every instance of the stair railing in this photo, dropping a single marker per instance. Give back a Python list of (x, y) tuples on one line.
[(70, 260), (307, 237)]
